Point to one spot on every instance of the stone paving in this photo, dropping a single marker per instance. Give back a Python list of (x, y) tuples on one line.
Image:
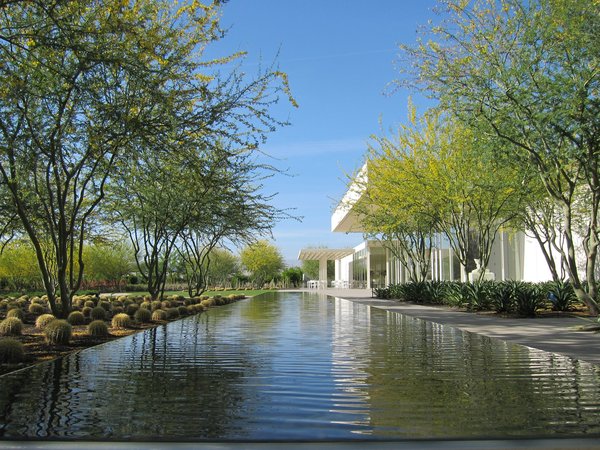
[(552, 334)]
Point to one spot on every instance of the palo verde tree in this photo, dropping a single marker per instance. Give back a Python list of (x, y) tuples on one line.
[(232, 209), (437, 175), (263, 260), (79, 82), (530, 72)]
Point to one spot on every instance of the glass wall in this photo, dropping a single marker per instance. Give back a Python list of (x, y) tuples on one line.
[(359, 268), (377, 266)]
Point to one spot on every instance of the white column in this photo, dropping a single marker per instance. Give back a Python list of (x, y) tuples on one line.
[(502, 258), (323, 273)]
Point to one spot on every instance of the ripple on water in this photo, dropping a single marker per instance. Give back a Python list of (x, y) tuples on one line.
[(298, 367)]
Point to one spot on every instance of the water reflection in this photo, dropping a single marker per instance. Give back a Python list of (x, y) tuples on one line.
[(302, 367)]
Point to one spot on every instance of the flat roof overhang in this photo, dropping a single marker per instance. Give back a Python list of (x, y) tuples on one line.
[(330, 254), (345, 219)]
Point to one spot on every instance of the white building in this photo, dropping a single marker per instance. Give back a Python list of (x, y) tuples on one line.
[(515, 256)]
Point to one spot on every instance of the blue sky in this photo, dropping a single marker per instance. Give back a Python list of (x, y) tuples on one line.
[(340, 57)]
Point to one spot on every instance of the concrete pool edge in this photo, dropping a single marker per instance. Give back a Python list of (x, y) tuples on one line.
[(555, 335)]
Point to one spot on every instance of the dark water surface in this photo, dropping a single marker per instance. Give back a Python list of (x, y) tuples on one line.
[(298, 367)]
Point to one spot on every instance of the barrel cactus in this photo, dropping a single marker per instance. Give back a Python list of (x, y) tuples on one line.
[(97, 328), (15, 312), (11, 326), (158, 315), (76, 318), (58, 332), (11, 351), (143, 315), (44, 320), (121, 320)]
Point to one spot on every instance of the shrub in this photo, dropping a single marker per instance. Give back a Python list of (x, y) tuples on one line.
[(15, 312), (528, 298), (159, 314), (11, 326), (98, 313), (37, 309), (76, 318), (121, 320), (11, 351), (97, 328), (561, 295), (58, 332), (143, 315), (503, 299), (42, 321)]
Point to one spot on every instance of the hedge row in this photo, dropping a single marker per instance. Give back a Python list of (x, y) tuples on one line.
[(512, 297)]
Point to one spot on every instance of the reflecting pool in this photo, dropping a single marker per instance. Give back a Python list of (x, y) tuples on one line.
[(296, 366)]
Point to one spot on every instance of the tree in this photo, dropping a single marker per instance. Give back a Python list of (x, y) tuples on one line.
[(108, 262), (310, 268), (262, 260), (527, 74), (80, 81), (18, 267), (437, 175), (292, 276)]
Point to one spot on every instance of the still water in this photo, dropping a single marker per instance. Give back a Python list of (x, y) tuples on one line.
[(297, 366)]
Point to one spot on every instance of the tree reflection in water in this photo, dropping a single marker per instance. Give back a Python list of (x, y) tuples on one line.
[(297, 367)]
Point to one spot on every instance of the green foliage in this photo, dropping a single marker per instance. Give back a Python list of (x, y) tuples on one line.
[(76, 318), (58, 332), (263, 260), (292, 276), (18, 266), (525, 74), (511, 297), (528, 298), (108, 262), (561, 295), (121, 320), (11, 326), (143, 315), (11, 351), (97, 328), (42, 321)]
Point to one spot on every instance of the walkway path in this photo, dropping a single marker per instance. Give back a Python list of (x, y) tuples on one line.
[(556, 334)]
